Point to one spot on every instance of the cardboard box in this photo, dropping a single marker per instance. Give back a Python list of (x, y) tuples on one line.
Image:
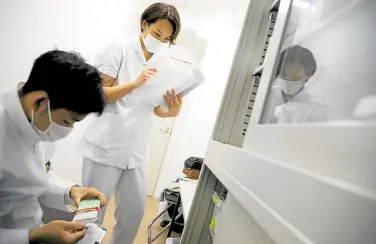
[(191, 173)]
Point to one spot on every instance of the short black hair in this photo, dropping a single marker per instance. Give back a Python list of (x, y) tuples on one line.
[(298, 54), (158, 11), (69, 81)]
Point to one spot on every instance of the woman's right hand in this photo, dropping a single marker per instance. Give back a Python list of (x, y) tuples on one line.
[(145, 76)]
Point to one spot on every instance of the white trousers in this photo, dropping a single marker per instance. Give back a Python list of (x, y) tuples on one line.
[(129, 186)]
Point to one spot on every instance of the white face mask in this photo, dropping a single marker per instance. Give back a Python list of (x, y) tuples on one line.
[(290, 87), (152, 44), (54, 132)]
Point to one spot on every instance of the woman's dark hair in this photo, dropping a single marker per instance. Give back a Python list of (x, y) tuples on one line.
[(159, 11), (300, 55), (69, 81)]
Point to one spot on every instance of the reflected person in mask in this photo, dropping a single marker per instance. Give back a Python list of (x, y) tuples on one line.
[(60, 91), (288, 101)]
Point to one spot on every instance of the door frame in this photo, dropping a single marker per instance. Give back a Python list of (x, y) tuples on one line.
[(189, 64), (163, 158)]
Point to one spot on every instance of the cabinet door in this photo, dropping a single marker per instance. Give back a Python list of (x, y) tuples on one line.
[(309, 152)]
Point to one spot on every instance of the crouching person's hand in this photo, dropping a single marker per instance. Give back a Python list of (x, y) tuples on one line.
[(58, 232)]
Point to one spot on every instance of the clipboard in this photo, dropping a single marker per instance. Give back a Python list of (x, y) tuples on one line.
[(166, 79)]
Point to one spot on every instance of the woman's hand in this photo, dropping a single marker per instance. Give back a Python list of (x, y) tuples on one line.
[(117, 92), (174, 102), (144, 76), (78, 194)]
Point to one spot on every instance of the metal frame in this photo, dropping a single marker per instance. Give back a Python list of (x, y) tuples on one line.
[(175, 216), (196, 230), (270, 61), (247, 58), (245, 106)]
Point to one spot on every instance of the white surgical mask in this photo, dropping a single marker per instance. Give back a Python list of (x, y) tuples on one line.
[(152, 44), (289, 87), (54, 131)]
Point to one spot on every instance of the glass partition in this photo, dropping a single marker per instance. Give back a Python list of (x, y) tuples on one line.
[(326, 69)]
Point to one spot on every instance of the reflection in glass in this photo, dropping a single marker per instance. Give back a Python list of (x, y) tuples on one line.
[(326, 69), (288, 100)]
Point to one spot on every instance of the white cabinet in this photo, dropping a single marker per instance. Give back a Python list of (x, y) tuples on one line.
[(304, 180)]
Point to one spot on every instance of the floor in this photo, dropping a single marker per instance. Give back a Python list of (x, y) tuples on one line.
[(151, 211)]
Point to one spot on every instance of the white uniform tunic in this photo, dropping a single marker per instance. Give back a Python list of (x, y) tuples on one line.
[(23, 178), (302, 108), (120, 136)]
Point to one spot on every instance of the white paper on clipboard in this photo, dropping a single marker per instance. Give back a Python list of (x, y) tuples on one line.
[(168, 78)]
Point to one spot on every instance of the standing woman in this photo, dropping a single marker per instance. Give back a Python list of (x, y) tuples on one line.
[(115, 144)]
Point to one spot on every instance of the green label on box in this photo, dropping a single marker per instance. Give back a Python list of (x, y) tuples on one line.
[(91, 203), (213, 223), (216, 199)]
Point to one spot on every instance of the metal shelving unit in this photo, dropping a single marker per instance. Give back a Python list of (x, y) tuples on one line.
[(257, 73)]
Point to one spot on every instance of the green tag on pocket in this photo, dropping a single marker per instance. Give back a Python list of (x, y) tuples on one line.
[(48, 166)]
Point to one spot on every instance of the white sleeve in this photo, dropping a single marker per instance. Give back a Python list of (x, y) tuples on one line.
[(14, 236), (109, 61), (269, 110), (57, 195), (318, 113)]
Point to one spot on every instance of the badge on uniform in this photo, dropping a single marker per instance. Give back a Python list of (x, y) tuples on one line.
[(48, 166)]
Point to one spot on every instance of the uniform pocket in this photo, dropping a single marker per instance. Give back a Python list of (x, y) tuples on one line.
[(103, 131)]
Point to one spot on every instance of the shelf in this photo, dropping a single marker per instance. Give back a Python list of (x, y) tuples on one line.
[(259, 182)]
